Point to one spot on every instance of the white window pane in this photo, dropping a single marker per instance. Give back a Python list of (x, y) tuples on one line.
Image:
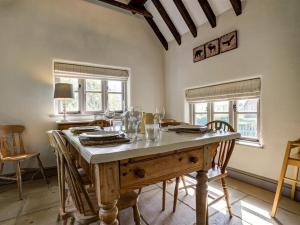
[(115, 102), (73, 81), (114, 86), (92, 85), (93, 102), (247, 105), (222, 117), (71, 105), (221, 106), (201, 119), (247, 125), (200, 107)]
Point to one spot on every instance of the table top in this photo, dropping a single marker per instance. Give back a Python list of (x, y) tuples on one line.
[(168, 141)]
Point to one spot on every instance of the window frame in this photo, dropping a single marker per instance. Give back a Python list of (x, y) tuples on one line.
[(82, 96), (233, 114), (193, 114)]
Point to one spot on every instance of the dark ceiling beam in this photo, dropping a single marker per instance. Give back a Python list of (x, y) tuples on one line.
[(186, 16), (140, 4), (157, 32), (167, 20), (137, 2), (208, 12), (237, 6), (133, 9)]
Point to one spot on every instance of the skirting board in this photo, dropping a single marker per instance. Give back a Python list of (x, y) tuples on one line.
[(262, 182), (259, 181)]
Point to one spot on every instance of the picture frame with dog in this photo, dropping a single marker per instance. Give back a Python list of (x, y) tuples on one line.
[(199, 53)]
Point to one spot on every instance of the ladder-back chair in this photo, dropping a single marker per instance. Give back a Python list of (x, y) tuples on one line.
[(219, 165), (100, 123), (12, 150), (290, 159), (85, 202)]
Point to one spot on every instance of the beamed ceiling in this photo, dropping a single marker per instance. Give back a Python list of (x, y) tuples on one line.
[(170, 19)]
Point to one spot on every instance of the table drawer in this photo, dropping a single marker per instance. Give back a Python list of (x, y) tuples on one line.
[(138, 173)]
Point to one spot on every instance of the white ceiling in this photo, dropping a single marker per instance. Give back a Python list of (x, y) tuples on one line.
[(194, 9)]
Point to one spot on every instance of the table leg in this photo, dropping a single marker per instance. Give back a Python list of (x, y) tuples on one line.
[(108, 213), (108, 192), (201, 198)]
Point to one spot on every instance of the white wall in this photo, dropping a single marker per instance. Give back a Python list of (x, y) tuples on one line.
[(34, 32), (269, 46)]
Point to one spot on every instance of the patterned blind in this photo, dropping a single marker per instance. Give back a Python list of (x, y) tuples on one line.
[(88, 71)]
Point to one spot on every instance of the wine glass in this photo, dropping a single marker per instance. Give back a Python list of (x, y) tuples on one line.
[(160, 113), (110, 115)]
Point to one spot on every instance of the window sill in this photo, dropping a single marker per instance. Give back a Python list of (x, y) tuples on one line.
[(250, 144), (82, 117)]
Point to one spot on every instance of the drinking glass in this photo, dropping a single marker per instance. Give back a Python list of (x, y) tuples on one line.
[(159, 114), (152, 131), (110, 115)]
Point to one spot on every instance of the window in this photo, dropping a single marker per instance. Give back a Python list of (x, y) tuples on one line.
[(200, 113), (246, 118), (242, 114), (221, 111), (93, 92), (236, 103)]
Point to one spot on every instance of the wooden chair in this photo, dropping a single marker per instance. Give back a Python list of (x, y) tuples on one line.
[(168, 122), (290, 159), (12, 150), (219, 164), (100, 123), (82, 206)]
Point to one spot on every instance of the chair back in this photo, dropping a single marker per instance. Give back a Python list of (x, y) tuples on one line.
[(225, 148), (100, 123), (290, 146), (77, 190), (11, 142), (60, 171)]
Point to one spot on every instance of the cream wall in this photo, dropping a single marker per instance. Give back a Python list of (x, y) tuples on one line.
[(34, 32), (269, 46)]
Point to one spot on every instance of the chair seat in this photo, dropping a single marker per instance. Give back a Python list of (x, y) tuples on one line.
[(20, 157), (212, 174)]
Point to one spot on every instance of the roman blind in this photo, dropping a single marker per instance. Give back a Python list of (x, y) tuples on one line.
[(227, 91), (87, 71)]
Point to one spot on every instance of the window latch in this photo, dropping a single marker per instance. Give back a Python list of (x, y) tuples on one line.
[(234, 107)]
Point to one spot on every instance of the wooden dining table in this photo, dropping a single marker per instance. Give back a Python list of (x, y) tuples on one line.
[(126, 167)]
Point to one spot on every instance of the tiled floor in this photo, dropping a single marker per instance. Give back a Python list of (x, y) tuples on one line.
[(251, 205)]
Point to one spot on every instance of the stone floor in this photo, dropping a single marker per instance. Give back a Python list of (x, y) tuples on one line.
[(251, 205)]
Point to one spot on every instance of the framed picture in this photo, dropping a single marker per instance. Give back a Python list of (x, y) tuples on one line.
[(228, 41), (212, 48), (198, 53)]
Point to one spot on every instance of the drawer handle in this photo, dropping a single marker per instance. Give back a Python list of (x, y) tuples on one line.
[(194, 159), (140, 173)]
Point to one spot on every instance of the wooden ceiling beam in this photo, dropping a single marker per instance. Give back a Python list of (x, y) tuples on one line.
[(140, 4), (167, 20), (208, 12), (156, 30), (237, 6), (133, 9), (137, 2), (186, 16)]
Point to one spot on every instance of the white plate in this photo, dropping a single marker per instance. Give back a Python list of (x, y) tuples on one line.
[(101, 133)]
